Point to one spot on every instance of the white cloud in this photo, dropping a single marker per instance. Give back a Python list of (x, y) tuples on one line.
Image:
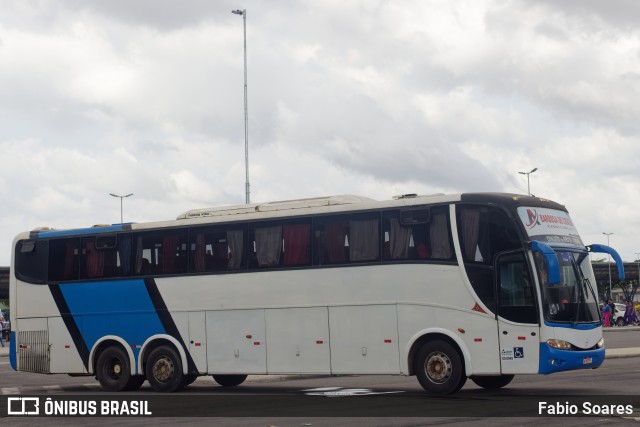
[(373, 98)]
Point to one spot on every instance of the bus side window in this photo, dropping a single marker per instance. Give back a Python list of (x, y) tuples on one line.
[(165, 252), (418, 234), (347, 238), (484, 232), (235, 241), (267, 246), (124, 255), (473, 234), (31, 260), (516, 300), (440, 235), (281, 244), (296, 244), (474, 245), (364, 240), (64, 259), (216, 249), (92, 265), (331, 240), (103, 256), (404, 239)]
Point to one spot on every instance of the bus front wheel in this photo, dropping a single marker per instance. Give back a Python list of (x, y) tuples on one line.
[(113, 370), (164, 370), (439, 368), (492, 382), (229, 380)]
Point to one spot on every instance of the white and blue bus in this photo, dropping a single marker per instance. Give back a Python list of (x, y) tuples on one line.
[(443, 287)]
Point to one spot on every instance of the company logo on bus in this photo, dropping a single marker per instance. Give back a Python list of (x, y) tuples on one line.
[(532, 218)]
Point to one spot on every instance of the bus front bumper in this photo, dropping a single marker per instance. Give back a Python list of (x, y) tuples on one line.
[(555, 360)]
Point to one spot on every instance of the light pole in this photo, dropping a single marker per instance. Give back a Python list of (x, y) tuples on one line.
[(609, 263), (528, 173), (243, 12), (121, 197), (638, 263)]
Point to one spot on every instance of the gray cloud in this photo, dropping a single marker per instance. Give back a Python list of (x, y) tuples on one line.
[(371, 98)]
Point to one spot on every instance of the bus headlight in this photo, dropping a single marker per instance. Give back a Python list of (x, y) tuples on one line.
[(559, 344), (600, 343)]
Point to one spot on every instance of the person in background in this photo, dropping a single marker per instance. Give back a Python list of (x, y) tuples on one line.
[(630, 317), (606, 314), (1, 328), (613, 312)]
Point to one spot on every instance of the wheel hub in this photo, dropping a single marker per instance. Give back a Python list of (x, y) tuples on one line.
[(163, 369), (438, 367)]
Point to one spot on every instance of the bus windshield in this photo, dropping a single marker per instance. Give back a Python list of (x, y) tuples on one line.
[(573, 300)]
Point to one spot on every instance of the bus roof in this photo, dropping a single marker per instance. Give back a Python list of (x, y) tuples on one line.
[(317, 205), (274, 206), (511, 200)]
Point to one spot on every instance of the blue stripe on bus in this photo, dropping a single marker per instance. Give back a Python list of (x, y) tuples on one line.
[(167, 320), (555, 360), (41, 234), (12, 351), (122, 308), (578, 326), (70, 323)]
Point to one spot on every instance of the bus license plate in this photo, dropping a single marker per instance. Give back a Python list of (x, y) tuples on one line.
[(587, 361)]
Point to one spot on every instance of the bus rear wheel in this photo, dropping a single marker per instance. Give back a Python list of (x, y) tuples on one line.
[(492, 382), (164, 370), (439, 368), (113, 370), (229, 380)]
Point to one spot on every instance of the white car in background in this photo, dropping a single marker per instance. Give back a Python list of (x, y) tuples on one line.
[(618, 315)]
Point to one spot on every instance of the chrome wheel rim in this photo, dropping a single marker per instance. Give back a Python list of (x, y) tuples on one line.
[(438, 367), (163, 369)]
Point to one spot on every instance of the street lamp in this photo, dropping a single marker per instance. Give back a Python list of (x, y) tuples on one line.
[(609, 263), (121, 197), (243, 12), (528, 173)]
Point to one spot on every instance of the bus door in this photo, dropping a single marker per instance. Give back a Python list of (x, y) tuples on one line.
[(518, 326)]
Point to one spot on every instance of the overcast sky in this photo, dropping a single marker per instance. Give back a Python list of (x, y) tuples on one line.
[(374, 98)]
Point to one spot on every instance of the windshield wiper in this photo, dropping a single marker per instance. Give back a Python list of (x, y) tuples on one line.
[(587, 283), (580, 297)]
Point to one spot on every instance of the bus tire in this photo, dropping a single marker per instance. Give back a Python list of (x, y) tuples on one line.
[(229, 380), (164, 370), (113, 369), (492, 382), (439, 368)]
